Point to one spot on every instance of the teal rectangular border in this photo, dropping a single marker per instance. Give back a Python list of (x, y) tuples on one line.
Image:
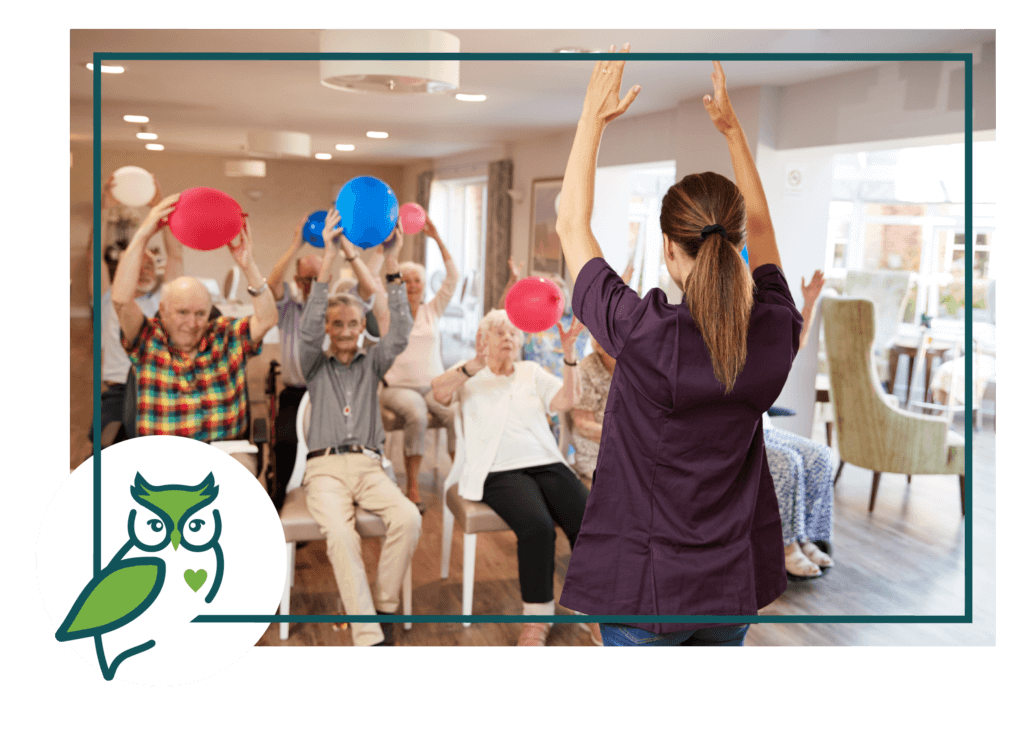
[(966, 59)]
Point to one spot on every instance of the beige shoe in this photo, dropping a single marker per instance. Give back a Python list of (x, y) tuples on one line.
[(813, 553), (534, 635)]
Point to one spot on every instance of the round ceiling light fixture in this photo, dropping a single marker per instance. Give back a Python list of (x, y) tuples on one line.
[(389, 75), (279, 143)]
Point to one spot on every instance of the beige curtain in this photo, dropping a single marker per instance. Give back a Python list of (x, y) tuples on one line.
[(418, 253), (499, 231)]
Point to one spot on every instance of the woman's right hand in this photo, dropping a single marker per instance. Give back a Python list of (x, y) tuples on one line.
[(719, 107), (478, 362), (157, 217)]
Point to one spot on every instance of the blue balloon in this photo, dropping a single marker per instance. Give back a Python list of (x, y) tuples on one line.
[(746, 257), (312, 232), (369, 211)]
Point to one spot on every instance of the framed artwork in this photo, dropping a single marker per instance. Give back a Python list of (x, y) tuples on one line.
[(545, 247)]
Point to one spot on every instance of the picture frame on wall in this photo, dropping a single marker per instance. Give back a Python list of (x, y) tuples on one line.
[(545, 246)]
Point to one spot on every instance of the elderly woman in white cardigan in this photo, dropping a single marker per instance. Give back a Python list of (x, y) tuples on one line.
[(508, 458), (406, 390)]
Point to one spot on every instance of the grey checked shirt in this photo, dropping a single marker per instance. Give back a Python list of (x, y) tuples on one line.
[(333, 386)]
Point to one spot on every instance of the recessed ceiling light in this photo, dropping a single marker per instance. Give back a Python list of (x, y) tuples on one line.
[(470, 98), (377, 134), (155, 147), (345, 147), (105, 69), (323, 156), (145, 135), (136, 119)]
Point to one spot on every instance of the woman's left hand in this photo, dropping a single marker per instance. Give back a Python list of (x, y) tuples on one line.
[(602, 103), (569, 337)]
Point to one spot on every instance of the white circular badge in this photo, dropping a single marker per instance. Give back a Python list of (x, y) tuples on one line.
[(186, 531)]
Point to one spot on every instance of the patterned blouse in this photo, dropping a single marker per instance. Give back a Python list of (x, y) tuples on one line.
[(202, 398), (595, 380)]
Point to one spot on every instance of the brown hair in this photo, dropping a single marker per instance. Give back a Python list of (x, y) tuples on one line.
[(719, 290)]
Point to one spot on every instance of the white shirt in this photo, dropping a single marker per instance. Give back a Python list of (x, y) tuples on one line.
[(115, 361), (501, 423), (421, 361)]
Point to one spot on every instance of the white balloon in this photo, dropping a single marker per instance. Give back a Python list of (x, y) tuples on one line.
[(133, 186), (558, 199)]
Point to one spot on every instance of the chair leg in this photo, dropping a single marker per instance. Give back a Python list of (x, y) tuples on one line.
[(447, 526), (874, 490), (839, 471), (407, 594), (963, 496), (828, 433), (908, 479), (468, 568), (289, 580)]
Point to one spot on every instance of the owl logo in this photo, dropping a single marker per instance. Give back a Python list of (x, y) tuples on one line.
[(175, 515)]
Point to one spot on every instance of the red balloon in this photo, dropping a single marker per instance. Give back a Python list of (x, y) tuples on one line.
[(534, 304), (205, 218)]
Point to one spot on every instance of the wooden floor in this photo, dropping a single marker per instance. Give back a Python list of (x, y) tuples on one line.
[(905, 558)]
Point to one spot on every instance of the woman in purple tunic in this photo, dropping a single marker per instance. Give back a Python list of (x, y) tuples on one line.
[(682, 519)]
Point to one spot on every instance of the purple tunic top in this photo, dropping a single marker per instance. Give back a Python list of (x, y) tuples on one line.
[(682, 518)]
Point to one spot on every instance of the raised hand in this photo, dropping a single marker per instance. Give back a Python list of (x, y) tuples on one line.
[(393, 244), (431, 230), (157, 197), (157, 216), (813, 290), (242, 251), (568, 338), (719, 107), (334, 235), (602, 103)]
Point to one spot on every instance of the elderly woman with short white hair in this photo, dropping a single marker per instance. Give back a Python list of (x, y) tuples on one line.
[(406, 391), (508, 458)]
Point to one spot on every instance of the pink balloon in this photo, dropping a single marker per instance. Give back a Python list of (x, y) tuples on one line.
[(534, 304), (413, 217), (205, 218)]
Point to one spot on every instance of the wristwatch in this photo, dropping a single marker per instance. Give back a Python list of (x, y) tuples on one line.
[(396, 277), (254, 291)]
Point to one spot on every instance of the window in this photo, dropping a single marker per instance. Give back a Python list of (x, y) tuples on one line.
[(458, 208)]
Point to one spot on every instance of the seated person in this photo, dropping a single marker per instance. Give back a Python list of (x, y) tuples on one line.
[(346, 436), (588, 414), (406, 390), (508, 458), (191, 369), (802, 472), (290, 301), (544, 348)]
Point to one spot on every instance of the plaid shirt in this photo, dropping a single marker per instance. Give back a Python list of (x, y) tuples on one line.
[(202, 398)]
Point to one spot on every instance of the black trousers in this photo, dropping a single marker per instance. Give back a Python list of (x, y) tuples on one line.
[(531, 501), (285, 439), (111, 409)]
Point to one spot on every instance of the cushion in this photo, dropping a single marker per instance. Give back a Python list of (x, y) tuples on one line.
[(474, 516), (299, 525)]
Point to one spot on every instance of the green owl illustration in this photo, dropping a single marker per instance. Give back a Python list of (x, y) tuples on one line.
[(125, 588)]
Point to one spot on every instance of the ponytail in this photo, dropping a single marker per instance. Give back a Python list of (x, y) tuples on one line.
[(720, 296), (705, 216)]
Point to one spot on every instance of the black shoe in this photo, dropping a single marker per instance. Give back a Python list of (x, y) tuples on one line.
[(389, 632)]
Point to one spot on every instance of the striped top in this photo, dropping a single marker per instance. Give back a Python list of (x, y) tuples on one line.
[(202, 398)]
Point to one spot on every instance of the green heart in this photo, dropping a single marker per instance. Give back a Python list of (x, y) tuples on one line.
[(195, 579)]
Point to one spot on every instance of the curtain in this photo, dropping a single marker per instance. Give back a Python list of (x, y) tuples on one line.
[(418, 253), (499, 231)]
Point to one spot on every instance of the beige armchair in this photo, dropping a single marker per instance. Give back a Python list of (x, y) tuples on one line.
[(870, 432)]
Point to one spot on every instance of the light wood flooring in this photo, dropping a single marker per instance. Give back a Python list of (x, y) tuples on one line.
[(905, 558)]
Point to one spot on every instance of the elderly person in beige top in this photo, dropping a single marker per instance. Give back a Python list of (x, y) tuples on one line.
[(406, 391)]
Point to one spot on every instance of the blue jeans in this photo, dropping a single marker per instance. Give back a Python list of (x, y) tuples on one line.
[(728, 635)]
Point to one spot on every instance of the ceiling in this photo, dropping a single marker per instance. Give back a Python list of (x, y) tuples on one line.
[(207, 106)]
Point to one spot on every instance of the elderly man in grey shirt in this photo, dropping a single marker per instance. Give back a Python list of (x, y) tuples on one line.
[(346, 437)]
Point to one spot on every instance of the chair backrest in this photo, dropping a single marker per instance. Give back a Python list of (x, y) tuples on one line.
[(302, 419), (890, 293), (855, 390)]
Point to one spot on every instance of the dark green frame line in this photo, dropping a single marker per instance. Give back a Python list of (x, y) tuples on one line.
[(967, 59)]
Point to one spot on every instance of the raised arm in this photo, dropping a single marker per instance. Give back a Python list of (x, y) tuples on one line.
[(126, 278), (451, 272), (571, 390), (396, 338), (601, 106), (275, 281), (811, 293), (761, 247), (265, 315), (445, 384)]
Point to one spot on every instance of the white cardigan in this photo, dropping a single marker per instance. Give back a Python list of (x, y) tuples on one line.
[(483, 404)]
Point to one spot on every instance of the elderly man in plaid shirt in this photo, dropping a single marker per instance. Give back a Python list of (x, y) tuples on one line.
[(191, 369)]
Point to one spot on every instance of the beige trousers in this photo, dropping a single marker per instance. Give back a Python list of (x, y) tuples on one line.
[(335, 484)]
